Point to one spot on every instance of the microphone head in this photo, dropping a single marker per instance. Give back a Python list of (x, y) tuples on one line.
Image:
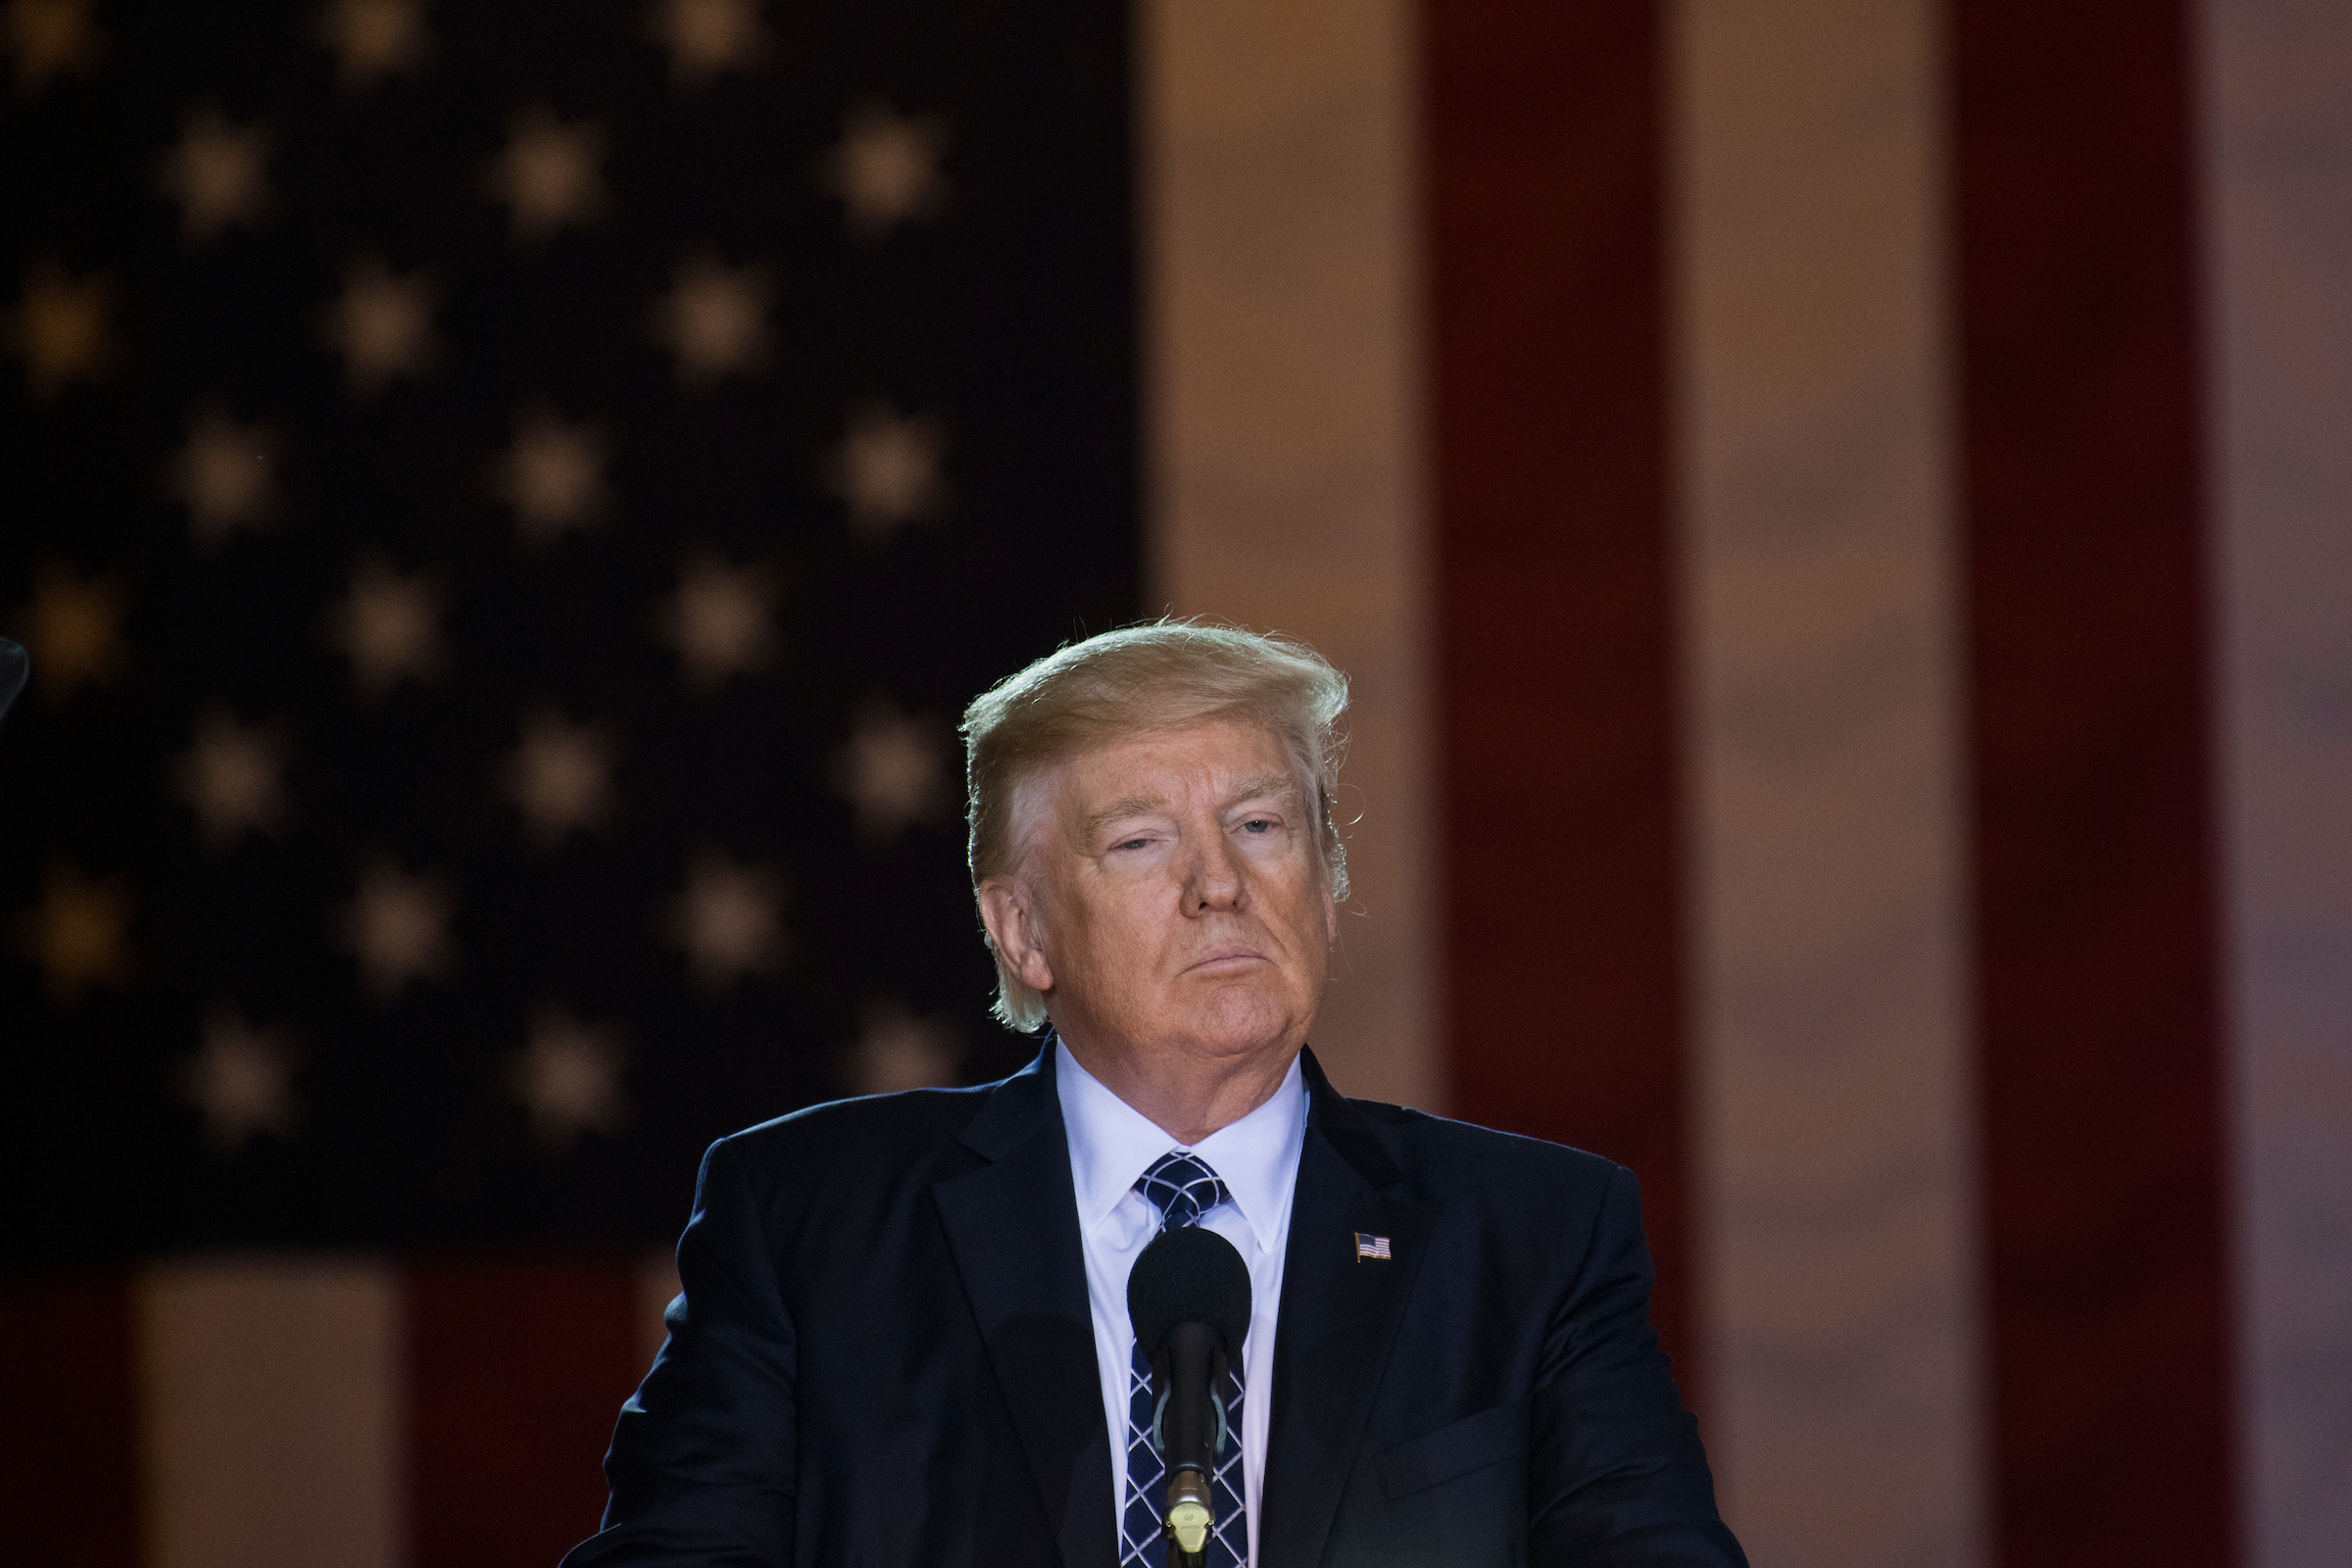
[(1189, 1274)]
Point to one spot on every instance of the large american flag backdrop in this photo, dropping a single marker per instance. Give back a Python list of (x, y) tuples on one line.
[(1836, 515)]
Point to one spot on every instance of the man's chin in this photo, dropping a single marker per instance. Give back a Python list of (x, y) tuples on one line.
[(1236, 1020)]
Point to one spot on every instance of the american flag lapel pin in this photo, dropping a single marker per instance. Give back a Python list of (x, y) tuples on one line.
[(1373, 1247)]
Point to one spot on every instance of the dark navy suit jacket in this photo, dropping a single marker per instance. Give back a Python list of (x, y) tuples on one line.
[(884, 1355)]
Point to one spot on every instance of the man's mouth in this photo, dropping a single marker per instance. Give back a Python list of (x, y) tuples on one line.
[(1231, 956)]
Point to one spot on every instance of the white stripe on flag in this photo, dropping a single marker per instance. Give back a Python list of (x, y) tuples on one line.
[(2277, 143), (1283, 427), (1822, 719), (272, 1431)]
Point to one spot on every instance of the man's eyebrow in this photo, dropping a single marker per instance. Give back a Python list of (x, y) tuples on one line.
[(1130, 806), (1258, 785), (1254, 786)]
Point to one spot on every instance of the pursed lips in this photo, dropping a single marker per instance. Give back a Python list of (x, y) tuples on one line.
[(1223, 955)]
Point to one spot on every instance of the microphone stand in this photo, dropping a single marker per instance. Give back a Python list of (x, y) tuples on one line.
[(1196, 1361)]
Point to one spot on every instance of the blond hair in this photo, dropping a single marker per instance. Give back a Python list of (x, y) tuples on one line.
[(1160, 675)]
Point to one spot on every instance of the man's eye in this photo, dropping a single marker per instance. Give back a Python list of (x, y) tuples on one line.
[(1131, 844), (1257, 824)]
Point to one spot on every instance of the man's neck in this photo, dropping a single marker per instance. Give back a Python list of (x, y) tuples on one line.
[(1187, 1096)]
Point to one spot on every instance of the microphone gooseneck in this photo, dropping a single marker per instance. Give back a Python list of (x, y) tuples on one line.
[(1188, 1297)]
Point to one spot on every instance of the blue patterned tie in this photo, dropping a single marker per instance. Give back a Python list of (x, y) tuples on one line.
[(1182, 1187)]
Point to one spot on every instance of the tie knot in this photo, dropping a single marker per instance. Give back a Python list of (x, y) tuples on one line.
[(1182, 1187)]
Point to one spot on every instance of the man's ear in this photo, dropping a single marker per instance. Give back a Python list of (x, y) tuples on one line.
[(1331, 915), (1011, 916)]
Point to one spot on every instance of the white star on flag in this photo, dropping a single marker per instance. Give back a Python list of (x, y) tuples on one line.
[(231, 776), (568, 1077), (79, 933), (887, 468), (51, 38), (562, 777), (726, 920), (706, 38), (886, 168), (896, 1050), (890, 771), (547, 174), (226, 474), (390, 627), (398, 924), (382, 325), (374, 39), (242, 1080), (215, 173), (553, 476), (75, 630), (713, 321), (60, 329), (718, 621)]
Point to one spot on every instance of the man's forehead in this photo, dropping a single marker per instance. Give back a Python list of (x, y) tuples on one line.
[(1145, 769), (1225, 758)]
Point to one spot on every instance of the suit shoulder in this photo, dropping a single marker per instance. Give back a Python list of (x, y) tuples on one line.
[(870, 1127), (1441, 1151)]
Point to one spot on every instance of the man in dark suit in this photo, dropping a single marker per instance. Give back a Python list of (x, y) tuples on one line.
[(903, 1340)]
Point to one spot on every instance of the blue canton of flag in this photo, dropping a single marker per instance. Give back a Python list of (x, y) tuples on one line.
[(556, 499)]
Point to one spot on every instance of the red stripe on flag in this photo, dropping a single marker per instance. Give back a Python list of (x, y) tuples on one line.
[(517, 1369), (1555, 686), (69, 1444), (2100, 1070)]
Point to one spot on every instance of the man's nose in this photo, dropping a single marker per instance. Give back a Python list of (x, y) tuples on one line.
[(1216, 878)]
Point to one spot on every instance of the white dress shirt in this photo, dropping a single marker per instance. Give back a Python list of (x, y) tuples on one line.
[(1111, 1143)]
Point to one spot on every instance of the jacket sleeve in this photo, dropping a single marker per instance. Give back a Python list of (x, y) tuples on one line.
[(703, 1459), (1616, 1478)]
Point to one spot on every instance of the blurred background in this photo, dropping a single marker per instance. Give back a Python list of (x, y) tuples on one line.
[(1839, 516)]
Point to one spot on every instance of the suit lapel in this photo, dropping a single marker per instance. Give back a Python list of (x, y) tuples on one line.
[(1012, 1226), (1338, 1322)]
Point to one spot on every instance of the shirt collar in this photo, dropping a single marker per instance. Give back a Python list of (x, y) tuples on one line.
[(1111, 1143)]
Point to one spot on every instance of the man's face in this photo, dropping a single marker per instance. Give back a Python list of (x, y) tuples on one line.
[(1177, 898)]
